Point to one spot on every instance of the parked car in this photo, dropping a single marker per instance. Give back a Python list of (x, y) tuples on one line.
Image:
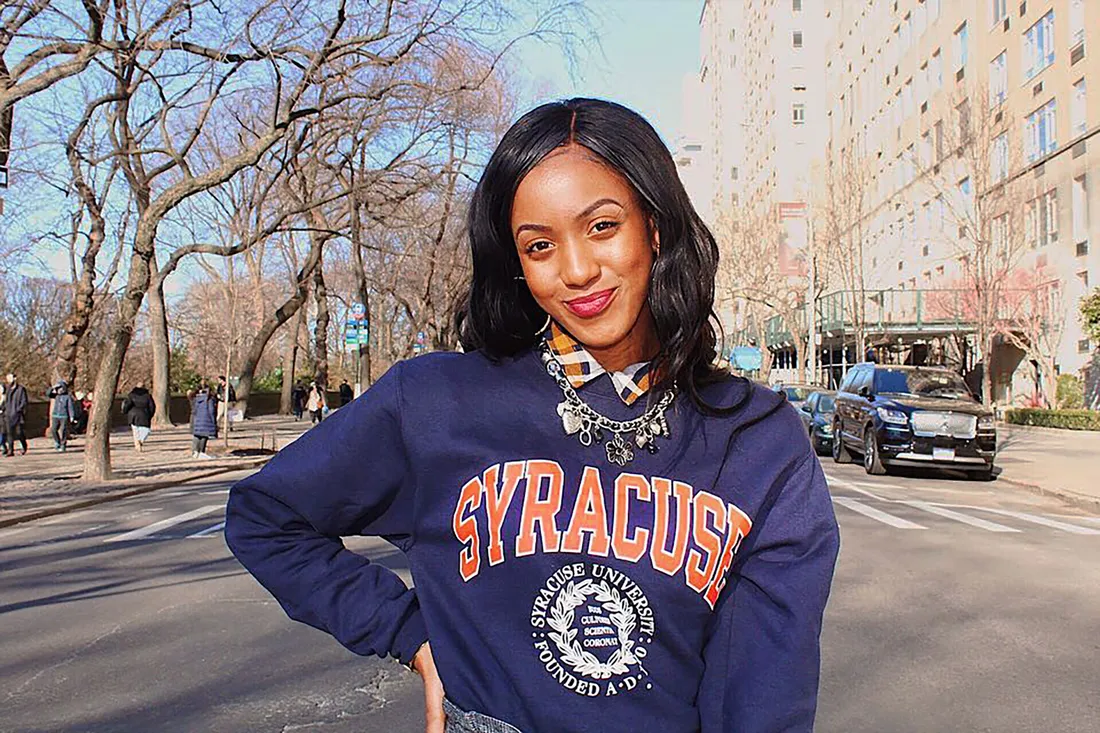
[(912, 416), (817, 416), (796, 394)]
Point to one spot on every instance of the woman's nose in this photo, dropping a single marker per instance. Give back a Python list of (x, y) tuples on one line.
[(579, 268)]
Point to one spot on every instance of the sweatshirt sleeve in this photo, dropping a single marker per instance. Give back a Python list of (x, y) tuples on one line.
[(348, 476), (762, 659)]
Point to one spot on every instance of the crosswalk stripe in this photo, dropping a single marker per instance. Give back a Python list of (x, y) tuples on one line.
[(163, 524), (959, 517), (869, 511), (207, 532), (1035, 519)]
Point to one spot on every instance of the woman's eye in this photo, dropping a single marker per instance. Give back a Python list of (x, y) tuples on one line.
[(605, 226), (539, 246)]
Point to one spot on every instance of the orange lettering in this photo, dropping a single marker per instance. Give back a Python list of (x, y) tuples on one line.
[(589, 515), (667, 562), (465, 528), (496, 504), (540, 510), (705, 538), (626, 548), (737, 529)]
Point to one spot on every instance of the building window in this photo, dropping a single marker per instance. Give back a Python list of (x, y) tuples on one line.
[(1038, 48), (1041, 220), (1076, 22), (920, 19), (1084, 346), (1039, 134), (936, 73), (933, 10), (798, 113), (796, 39), (926, 151), (998, 10), (1083, 277), (1080, 203), (907, 99), (964, 187), (998, 81), (796, 6), (1077, 109), (938, 128), (961, 46), (963, 112), (998, 158)]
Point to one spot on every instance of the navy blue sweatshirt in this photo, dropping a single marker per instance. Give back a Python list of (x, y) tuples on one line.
[(683, 592)]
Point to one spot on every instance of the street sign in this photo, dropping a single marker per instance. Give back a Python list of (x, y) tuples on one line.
[(746, 358)]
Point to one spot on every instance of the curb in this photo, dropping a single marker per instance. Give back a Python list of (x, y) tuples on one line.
[(1081, 501), (83, 504)]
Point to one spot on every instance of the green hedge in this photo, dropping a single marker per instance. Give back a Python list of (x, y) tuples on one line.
[(1066, 419)]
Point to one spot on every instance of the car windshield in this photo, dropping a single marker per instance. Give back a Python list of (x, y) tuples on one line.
[(796, 394), (925, 382), (825, 403)]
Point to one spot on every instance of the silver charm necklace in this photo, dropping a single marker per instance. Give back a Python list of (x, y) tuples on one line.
[(577, 418)]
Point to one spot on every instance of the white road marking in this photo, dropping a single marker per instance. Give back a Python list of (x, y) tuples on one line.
[(163, 524), (852, 487), (1035, 519), (959, 517), (216, 491), (868, 511), (15, 531), (881, 486), (208, 531)]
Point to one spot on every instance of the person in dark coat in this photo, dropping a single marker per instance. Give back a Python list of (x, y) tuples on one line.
[(346, 395), (139, 408), (204, 420), (62, 415), (298, 400), (15, 414)]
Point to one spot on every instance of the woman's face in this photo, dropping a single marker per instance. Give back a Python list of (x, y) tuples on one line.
[(587, 248)]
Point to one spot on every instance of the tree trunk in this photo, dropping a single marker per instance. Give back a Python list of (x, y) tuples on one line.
[(290, 358), (97, 451), (76, 323), (987, 371), (259, 342), (158, 329), (320, 334)]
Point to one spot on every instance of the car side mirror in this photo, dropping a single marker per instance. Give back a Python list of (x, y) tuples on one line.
[(865, 391), (805, 407)]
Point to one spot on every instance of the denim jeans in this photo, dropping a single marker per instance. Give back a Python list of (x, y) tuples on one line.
[(463, 722), (59, 431)]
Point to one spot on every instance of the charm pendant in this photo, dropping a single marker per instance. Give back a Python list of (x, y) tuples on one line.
[(619, 451), (571, 422)]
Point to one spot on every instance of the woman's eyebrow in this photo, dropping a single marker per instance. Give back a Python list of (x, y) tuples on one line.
[(532, 227), (597, 204)]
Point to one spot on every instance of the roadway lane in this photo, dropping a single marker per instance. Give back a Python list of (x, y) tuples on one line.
[(957, 606)]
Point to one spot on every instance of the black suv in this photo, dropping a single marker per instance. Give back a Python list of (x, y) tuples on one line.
[(912, 416)]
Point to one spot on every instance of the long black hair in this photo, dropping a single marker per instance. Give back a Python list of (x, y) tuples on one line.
[(500, 316)]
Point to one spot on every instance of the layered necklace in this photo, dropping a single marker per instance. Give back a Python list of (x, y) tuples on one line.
[(577, 418)]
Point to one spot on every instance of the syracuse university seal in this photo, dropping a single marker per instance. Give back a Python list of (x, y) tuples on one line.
[(592, 626)]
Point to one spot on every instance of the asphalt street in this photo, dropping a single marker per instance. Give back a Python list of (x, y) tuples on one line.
[(957, 606)]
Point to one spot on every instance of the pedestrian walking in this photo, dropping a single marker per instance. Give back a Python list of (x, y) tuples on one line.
[(81, 407), (3, 419), (297, 399), (204, 420), (316, 403), (62, 415), (346, 395), (226, 397), (15, 415), (607, 532), (139, 408)]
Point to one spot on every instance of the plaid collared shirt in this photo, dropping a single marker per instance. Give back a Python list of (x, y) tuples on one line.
[(580, 367)]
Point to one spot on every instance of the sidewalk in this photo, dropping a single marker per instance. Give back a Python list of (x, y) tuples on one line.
[(1063, 463), (46, 482)]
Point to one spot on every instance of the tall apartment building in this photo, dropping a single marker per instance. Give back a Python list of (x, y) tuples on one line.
[(904, 79)]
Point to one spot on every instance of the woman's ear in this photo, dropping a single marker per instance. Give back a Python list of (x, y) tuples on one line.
[(656, 232)]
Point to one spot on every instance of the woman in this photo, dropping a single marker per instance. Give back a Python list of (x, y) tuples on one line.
[(607, 534), (62, 415), (204, 420), (316, 403), (139, 408)]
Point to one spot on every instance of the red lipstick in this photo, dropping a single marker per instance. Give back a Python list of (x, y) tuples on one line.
[(590, 305)]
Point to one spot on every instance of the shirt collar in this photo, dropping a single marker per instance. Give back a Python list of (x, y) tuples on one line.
[(580, 367)]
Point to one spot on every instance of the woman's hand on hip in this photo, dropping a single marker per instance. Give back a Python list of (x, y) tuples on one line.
[(424, 664)]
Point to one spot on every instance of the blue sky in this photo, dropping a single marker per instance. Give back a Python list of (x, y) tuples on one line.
[(648, 47)]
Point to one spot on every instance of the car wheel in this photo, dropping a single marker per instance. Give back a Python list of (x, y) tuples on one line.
[(872, 462), (840, 451)]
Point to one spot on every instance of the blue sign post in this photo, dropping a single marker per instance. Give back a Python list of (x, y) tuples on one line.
[(746, 358)]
